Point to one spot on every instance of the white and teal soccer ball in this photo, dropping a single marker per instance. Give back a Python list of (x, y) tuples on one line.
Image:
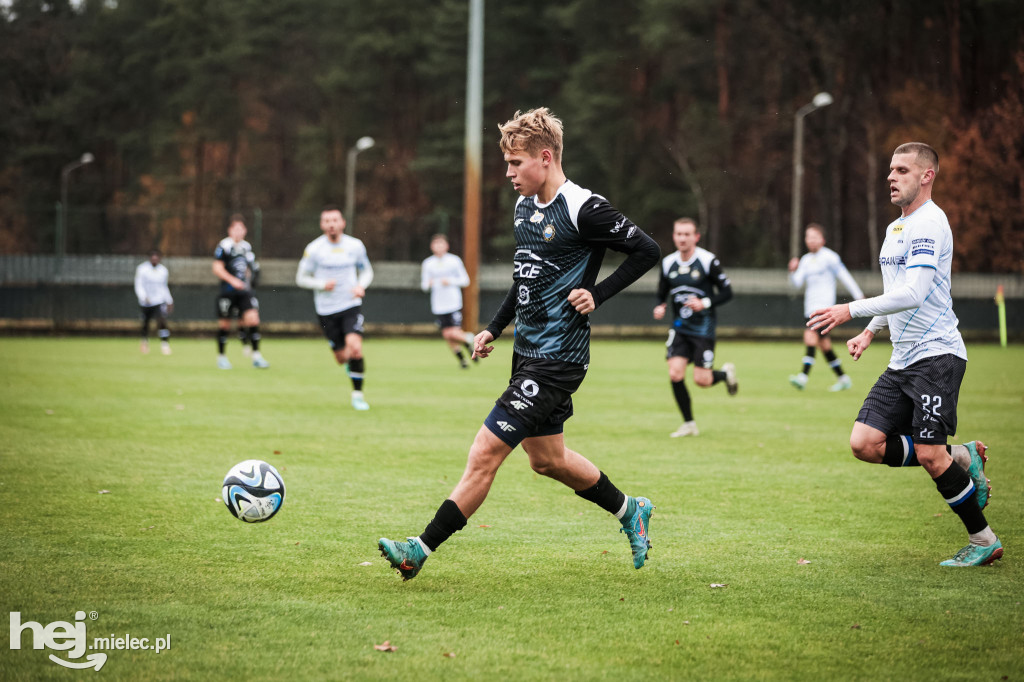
[(253, 491)]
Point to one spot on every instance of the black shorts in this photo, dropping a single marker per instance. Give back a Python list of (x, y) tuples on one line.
[(149, 312), (699, 350), (919, 401), (338, 325), (538, 400), (449, 320), (235, 303)]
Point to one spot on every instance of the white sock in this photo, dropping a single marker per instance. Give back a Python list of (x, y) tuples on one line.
[(961, 455), (625, 505), (423, 546), (985, 538)]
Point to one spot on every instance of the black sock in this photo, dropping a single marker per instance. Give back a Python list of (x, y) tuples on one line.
[(833, 362), (899, 452), (448, 520), (808, 359), (222, 340), (604, 494), (458, 354), (717, 376), (254, 337), (957, 489), (683, 400), (356, 367)]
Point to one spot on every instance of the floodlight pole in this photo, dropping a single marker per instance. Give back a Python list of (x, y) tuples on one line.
[(822, 99), (473, 155), (62, 224), (361, 145)]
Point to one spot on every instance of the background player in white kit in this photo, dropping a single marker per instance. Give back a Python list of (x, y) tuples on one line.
[(155, 300), (911, 409), (818, 269), (336, 268), (443, 275)]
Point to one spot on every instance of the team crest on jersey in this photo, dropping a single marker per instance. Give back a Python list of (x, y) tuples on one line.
[(549, 232), (684, 270), (897, 229), (536, 217)]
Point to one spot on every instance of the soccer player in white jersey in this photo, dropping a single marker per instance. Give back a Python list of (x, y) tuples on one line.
[(443, 275), (335, 267), (818, 269), (235, 265), (562, 232), (911, 409), (155, 300)]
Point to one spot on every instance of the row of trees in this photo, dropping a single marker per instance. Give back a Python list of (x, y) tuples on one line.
[(197, 109)]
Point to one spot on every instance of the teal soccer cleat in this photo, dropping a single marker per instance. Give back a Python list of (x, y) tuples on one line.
[(977, 472), (405, 557), (635, 526), (976, 555)]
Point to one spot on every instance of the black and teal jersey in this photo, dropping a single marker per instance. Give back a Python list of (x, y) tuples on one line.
[(239, 260), (700, 276), (559, 247)]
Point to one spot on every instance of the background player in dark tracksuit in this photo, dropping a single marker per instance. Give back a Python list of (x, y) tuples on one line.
[(561, 231), (234, 263), (693, 282)]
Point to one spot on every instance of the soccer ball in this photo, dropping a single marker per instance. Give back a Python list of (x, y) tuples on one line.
[(253, 491)]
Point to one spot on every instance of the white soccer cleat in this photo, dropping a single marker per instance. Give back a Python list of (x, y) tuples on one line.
[(165, 348), (258, 362), (144, 347), (799, 381), (844, 384), (730, 378), (359, 402), (687, 429), (223, 362)]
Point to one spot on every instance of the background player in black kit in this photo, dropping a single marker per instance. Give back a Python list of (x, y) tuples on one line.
[(692, 280), (561, 231), (234, 263)]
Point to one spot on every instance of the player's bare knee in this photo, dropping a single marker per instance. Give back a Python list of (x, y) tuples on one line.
[(865, 449)]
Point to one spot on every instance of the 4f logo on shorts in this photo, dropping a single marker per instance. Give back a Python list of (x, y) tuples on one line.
[(518, 404), (505, 426)]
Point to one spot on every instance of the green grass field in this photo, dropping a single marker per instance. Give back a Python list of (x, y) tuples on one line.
[(540, 584)]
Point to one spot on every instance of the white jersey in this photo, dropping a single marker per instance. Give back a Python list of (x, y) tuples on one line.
[(921, 240), (445, 297), (151, 284), (345, 262), (819, 271)]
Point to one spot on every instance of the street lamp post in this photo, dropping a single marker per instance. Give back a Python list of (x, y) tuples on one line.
[(822, 99), (62, 224), (362, 144)]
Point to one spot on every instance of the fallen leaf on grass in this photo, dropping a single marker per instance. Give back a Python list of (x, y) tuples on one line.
[(277, 452), (855, 626), (604, 552), (677, 641), (366, 563), (686, 622), (802, 562), (150, 528), (104, 492), (449, 654), (937, 515), (719, 585), (622, 599), (386, 646), (484, 525)]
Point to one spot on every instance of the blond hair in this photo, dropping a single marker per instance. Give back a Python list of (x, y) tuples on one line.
[(536, 130), (926, 155)]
